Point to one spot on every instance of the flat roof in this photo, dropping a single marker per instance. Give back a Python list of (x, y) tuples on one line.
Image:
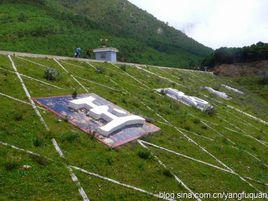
[(106, 49)]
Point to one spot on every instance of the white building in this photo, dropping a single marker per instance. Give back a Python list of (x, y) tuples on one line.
[(106, 54)]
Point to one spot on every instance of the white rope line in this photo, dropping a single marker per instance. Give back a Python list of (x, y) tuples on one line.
[(38, 155), (203, 162), (260, 182), (252, 155), (31, 78), (196, 134), (82, 67), (46, 126), (190, 78), (242, 121), (80, 169), (175, 176), (240, 111), (23, 150), (117, 182), (110, 79), (125, 91), (141, 83), (159, 76), (234, 144), (18, 100), (74, 178), (91, 65), (185, 156), (68, 72), (70, 75), (246, 123), (249, 136), (28, 94), (76, 181), (248, 115), (191, 132), (61, 66), (80, 83), (243, 133), (246, 135), (217, 132), (169, 124), (30, 61), (96, 83), (65, 62), (204, 150)]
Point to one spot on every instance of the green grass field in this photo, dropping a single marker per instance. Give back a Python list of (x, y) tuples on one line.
[(222, 152)]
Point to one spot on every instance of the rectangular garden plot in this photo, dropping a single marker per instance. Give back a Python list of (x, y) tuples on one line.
[(94, 115)]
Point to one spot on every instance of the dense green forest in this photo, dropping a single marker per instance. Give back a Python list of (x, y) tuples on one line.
[(225, 55), (57, 27)]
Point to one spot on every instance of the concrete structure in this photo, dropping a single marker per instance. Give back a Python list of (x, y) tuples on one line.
[(117, 119), (217, 93), (106, 54), (187, 100), (232, 89)]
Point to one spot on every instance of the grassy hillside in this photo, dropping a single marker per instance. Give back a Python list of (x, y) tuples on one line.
[(214, 152), (57, 27)]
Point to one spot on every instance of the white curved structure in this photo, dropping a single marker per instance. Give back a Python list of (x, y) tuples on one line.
[(232, 89), (187, 100), (217, 93), (117, 119)]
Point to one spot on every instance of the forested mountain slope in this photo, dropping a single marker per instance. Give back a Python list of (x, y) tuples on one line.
[(57, 27)]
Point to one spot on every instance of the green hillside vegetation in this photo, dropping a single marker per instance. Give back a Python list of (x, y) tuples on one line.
[(248, 66), (57, 27), (255, 52), (232, 140)]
